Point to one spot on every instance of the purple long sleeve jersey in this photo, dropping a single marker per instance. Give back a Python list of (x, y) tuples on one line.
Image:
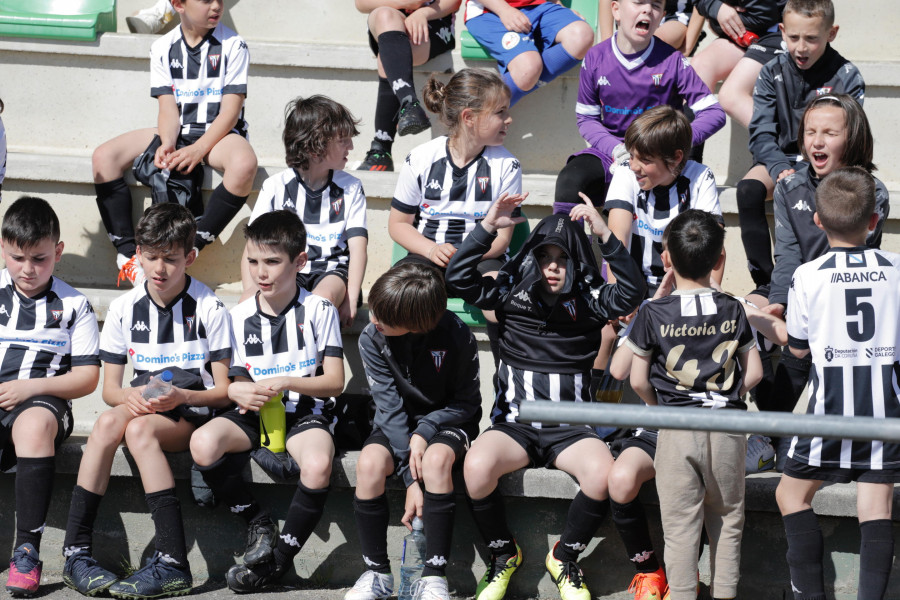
[(616, 88)]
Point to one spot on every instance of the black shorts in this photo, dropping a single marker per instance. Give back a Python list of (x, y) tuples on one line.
[(449, 436), (544, 445), (309, 281), (766, 48), (645, 439), (249, 424), (440, 41), (798, 470), (61, 410)]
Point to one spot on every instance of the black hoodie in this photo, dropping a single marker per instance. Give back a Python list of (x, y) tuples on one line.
[(558, 338)]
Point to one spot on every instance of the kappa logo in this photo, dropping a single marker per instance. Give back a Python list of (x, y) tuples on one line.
[(336, 204), (252, 339), (516, 165), (437, 561), (523, 296), (482, 183), (399, 84), (3, 310), (57, 314), (571, 308), (384, 136), (190, 322), (445, 34), (220, 304), (603, 81), (140, 326), (657, 78), (175, 64), (509, 40), (642, 557), (290, 540), (433, 184), (239, 508), (369, 562), (288, 204), (214, 61), (577, 547), (802, 205), (437, 356), (496, 544), (685, 63)]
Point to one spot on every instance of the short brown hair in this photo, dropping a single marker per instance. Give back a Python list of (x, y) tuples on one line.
[(410, 295), (845, 201), (812, 8), (310, 124), (659, 133), (478, 89), (166, 225), (860, 145)]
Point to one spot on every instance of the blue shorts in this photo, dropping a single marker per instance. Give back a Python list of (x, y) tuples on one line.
[(546, 22)]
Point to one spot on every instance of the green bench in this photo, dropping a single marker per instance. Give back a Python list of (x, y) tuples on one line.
[(472, 315), (70, 20), (472, 50)]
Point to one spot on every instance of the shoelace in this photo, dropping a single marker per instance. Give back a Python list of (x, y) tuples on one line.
[(570, 572), (25, 562), (128, 272), (641, 583), (498, 565)]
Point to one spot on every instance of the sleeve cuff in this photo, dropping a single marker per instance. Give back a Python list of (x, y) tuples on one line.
[(335, 351), (426, 430), (610, 246), (161, 91), (220, 354), (798, 343), (623, 204), (235, 89), (116, 359), (636, 349), (404, 208), (239, 372), (357, 232), (86, 361)]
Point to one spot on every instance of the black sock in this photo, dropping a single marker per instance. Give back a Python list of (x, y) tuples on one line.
[(396, 57), (806, 549), (226, 480), (34, 485), (372, 522), (437, 515), (166, 513), (386, 108), (114, 202), (221, 208), (876, 555), (631, 523), (80, 526), (751, 201), (585, 517), (303, 515), (489, 514)]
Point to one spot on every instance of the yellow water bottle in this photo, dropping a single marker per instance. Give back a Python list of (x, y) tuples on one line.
[(272, 424)]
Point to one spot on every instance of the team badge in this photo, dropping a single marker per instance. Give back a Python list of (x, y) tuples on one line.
[(57, 314), (482, 183), (300, 327), (856, 259), (509, 40), (214, 61), (657, 78), (190, 322), (437, 356), (570, 307), (336, 204), (823, 91)]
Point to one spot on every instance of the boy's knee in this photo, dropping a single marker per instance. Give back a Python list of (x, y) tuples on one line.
[(108, 430), (525, 69), (317, 467), (33, 431), (385, 18), (478, 471), (622, 485), (139, 434), (204, 449), (577, 38), (437, 463), (243, 167)]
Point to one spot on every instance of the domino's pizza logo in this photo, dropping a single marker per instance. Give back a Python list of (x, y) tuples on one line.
[(437, 357)]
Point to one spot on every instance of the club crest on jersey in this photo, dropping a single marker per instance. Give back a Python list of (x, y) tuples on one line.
[(570, 307), (300, 327), (823, 91), (482, 183), (509, 40), (190, 322), (657, 78), (336, 204), (214, 61), (437, 356), (57, 314)]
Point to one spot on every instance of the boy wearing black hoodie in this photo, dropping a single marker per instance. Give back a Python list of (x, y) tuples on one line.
[(551, 304)]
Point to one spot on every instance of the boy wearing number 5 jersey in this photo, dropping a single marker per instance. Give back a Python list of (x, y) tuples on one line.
[(695, 348), (844, 312)]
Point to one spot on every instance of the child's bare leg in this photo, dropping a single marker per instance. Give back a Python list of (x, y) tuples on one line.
[(148, 438), (375, 464), (589, 461), (629, 472), (525, 70), (113, 157), (716, 61), (806, 545), (673, 33), (736, 93), (876, 546), (235, 158), (577, 38), (100, 450)]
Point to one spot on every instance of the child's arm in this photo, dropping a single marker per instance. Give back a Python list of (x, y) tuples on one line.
[(606, 24), (402, 231), (773, 328), (709, 116), (589, 110), (788, 255), (114, 394), (359, 257), (764, 125), (462, 277), (640, 380), (512, 18), (185, 159), (751, 370), (78, 382), (620, 365), (216, 397), (168, 125), (417, 22), (695, 26), (729, 17), (329, 383)]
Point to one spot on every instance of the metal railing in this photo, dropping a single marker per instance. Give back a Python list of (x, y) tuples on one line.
[(772, 424)]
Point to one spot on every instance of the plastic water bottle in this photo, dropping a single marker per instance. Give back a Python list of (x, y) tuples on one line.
[(272, 424), (413, 560), (159, 385)]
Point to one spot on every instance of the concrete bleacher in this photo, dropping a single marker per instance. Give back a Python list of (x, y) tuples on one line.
[(63, 99)]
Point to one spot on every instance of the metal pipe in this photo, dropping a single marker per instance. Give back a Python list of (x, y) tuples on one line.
[(772, 424)]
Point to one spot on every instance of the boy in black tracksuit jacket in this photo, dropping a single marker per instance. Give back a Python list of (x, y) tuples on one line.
[(551, 304), (421, 363)]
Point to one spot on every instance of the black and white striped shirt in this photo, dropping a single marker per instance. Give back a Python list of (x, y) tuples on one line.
[(652, 210), (844, 308), (198, 77), (293, 344), (46, 335), (449, 200), (332, 215), (189, 333)]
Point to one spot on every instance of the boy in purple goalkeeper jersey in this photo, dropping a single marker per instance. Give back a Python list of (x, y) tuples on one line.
[(620, 79)]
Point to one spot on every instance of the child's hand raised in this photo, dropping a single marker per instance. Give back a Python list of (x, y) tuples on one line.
[(500, 214), (590, 215)]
